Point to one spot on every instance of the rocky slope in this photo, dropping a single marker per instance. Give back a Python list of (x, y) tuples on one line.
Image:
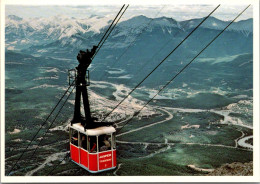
[(234, 169)]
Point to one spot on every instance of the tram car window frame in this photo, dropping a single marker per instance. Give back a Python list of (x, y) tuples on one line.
[(105, 142), (113, 142), (93, 145), (83, 141), (74, 137)]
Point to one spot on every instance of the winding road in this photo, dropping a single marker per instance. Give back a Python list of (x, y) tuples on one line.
[(150, 125)]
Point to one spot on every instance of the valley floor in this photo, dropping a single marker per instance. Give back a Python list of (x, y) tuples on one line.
[(149, 147)]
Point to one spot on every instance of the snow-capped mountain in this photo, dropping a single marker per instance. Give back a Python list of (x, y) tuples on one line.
[(35, 31), (244, 26), (135, 47)]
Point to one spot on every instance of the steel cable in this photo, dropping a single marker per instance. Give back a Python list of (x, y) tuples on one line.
[(53, 121), (40, 129), (110, 26), (136, 113), (132, 43), (110, 32), (159, 64)]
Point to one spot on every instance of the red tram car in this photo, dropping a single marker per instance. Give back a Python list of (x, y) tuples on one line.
[(93, 149)]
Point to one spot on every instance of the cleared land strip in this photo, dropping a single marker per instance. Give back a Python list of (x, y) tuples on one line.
[(152, 124)]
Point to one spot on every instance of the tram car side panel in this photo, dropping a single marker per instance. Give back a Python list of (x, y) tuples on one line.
[(74, 149), (74, 153), (93, 163), (114, 158), (105, 160), (84, 157)]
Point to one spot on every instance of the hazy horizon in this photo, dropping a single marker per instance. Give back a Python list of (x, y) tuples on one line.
[(179, 13)]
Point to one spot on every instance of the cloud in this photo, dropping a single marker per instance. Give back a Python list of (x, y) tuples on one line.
[(178, 12)]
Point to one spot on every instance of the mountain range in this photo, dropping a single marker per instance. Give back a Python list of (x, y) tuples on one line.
[(39, 34), (137, 43)]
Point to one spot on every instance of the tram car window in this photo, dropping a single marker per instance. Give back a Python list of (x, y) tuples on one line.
[(104, 142), (92, 141), (74, 138), (83, 141), (114, 141)]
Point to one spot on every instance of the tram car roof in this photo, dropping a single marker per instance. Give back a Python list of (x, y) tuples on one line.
[(95, 131)]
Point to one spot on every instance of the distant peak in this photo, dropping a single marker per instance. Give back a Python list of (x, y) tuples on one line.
[(213, 18), (61, 16), (167, 18), (247, 20), (91, 16), (140, 17), (96, 16), (14, 17)]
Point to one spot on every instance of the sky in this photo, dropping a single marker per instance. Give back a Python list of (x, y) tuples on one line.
[(178, 12)]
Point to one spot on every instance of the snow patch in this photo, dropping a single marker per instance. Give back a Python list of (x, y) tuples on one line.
[(15, 131), (52, 70), (200, 169), (45, 86), (17, 140), (190, 126), (117, 71)]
